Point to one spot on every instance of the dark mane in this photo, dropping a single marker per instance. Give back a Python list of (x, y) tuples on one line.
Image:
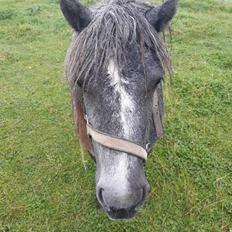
[(114, 26)]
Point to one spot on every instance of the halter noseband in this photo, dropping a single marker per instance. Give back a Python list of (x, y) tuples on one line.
[(116, 143)]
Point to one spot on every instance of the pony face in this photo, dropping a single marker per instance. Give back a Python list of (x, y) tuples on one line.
[(122, 107), (117, 60)]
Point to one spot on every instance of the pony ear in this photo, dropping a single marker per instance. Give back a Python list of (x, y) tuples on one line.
[(160, 16), (76, 14)]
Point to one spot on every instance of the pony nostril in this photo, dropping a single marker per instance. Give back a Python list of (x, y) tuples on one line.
[(100, 196), (144, 194)]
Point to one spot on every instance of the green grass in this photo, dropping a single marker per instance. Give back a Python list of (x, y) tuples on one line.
[(43, 185)]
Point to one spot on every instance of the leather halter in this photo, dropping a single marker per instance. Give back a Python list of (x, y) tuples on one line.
[(127, 146)]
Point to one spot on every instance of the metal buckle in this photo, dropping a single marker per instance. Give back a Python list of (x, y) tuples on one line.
[(148, 146)]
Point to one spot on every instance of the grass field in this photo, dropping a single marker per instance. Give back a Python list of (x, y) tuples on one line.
[(43, 184)]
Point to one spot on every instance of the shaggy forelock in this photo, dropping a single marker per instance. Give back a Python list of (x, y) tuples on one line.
[(114, 26)]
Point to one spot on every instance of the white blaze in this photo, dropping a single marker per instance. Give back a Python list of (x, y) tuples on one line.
[(126, 111), (126, 101)]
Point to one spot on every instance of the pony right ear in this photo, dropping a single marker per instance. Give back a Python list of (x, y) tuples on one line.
[(159, 17), (77, 15)]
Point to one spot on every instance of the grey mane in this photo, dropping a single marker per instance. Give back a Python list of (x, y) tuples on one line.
[(114, 26)]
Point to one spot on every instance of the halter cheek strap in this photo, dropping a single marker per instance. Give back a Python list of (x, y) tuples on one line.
[(157, 109)]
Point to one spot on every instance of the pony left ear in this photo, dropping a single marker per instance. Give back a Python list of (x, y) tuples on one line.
[(77, 15), (160, 16)]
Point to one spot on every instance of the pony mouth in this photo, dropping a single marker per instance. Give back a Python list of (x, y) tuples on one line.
[(121, 214), (118, 214)]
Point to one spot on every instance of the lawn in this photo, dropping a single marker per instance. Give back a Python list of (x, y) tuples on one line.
[(43, 184)]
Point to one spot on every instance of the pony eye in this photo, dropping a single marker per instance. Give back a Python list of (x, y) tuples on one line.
[(79, 83)]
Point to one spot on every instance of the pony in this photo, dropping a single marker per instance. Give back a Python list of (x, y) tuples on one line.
[(115, 66)]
